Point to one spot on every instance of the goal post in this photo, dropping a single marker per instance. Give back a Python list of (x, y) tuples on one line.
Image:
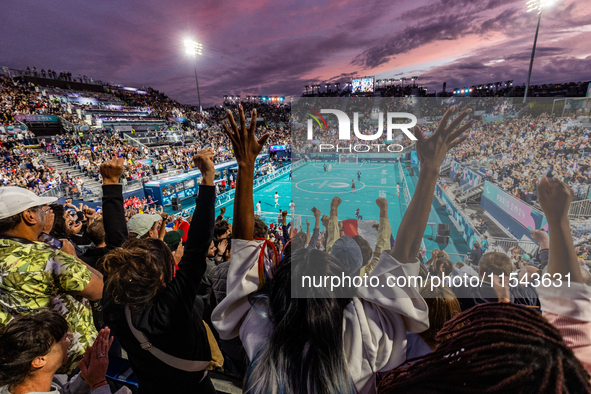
[(348, 158)]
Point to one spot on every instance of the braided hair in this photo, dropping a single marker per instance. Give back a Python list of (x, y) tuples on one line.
[(493, 348)]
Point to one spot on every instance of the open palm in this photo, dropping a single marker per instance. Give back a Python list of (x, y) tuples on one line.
[(431, 151)]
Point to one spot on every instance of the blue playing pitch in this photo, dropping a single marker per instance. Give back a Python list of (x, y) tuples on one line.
[(312, 187)]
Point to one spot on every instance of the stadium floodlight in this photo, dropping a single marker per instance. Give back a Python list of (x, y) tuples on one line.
[(193, 48), (534, 5)]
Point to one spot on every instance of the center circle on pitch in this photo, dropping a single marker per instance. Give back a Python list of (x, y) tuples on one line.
[(328, 186)]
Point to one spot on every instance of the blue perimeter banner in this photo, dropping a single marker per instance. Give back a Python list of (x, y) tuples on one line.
[(518, 210)]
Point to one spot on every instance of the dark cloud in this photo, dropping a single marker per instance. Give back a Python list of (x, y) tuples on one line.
[(441, 28)]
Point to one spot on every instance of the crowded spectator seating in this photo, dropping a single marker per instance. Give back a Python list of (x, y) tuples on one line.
[(190, 301), (157, 135)]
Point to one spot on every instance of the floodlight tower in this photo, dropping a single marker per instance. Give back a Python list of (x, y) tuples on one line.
[(193, 48), (534, 5)]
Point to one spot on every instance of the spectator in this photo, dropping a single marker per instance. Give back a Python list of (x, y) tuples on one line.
[(443, 306), (96, 233), (144, 226), (475, 255), (494, 264), (34, 347), (479, 344), (143, 300), (565, 305), (68, 284)]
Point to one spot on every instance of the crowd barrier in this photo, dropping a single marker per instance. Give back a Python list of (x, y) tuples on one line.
[(504, 245), (580, 209), (457, 217)]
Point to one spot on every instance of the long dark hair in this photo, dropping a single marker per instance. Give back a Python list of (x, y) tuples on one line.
[(138, 271), (305, 353), (493, 348), (60, 228)]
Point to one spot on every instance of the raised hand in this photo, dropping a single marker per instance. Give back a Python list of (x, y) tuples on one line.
[(204, 161), (178, 253), (316, 212), (555, 198), (49, 219), (94, 364), (541, 237), (246, 145), (336, 201), (111, 171), (222, 246), (75, 228), (431, 151)]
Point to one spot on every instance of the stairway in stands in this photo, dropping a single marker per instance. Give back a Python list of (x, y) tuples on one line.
[(56, 163)]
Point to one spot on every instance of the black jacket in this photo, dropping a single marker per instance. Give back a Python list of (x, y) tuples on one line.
[(93, 255), (170, 321)]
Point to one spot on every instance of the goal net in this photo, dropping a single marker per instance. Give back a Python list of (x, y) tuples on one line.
[(349, 158)]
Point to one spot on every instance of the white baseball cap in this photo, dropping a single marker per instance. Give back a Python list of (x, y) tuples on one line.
[(142, 223), (14, 199)]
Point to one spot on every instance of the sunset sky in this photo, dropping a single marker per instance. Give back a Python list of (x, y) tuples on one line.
[(265, 47)]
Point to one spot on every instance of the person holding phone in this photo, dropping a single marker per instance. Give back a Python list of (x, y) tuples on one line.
[(36, 275)]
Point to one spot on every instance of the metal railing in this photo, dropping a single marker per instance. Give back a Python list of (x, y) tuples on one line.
[(504, 245), (57, 192), (580, 209), (582, 193), (470, 192), (580, 228), (405, 190), (133, 142), (67, 125)]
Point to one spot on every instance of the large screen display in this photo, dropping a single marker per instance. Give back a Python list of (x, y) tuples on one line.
[(363, 85)]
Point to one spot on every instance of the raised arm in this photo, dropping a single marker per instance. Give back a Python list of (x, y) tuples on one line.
[(555, 198), (316, 232), (384, 232), (113, 211), (246, 148), (162, 231), (286, 235), (201, 231), (332, 230), (431, 153)]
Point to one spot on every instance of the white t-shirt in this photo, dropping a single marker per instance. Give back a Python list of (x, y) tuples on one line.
[(292, 206), (258, 206), (375, 322)]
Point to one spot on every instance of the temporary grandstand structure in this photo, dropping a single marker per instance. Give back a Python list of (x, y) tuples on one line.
[(585, 105)]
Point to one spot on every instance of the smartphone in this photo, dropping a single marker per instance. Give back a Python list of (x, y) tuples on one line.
[(52, 242)]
